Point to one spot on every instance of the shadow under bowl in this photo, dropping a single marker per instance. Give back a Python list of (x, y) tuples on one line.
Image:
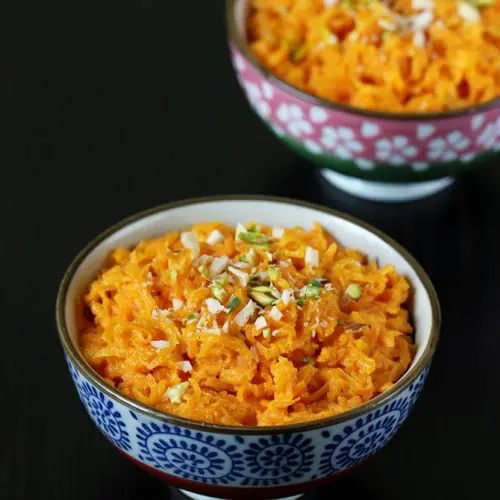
[(242, 462), (375, 155)]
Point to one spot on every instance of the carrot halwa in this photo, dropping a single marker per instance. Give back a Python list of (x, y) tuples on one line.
[(391, 55), (253, 326)]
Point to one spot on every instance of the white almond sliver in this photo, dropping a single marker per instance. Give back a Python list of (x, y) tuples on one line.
[(177, 304), (160, 344), (214, 306), (468, 12), (286, 296), (245, 314), (278, 233), (217, 266), (184, 366), (225, 327), (242, 276), (176, 392), (240, 228), (260, 323), (423, 20), (241, 265), (190, 241), (312, 257), (419, 39), (422, 4), (275, 314), (215, 237)]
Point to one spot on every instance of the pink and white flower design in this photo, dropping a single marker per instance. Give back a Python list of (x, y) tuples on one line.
[(449, 147), (259, 96), (368, 141), (342, 141), (395, 151)]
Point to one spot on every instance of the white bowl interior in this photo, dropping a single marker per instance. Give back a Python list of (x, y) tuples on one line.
[(273, 213)]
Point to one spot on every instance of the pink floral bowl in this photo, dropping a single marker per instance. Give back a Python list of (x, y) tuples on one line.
[(383, 156)]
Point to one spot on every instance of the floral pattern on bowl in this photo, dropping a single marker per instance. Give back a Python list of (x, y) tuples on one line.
[(263, 460), (363, 145)]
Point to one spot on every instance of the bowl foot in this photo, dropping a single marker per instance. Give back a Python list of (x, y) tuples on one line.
[(197, 496), (385, 191)]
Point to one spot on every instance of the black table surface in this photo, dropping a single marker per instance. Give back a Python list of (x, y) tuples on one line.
[(110, 109)]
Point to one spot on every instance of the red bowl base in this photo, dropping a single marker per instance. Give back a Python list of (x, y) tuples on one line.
[(241, 493)]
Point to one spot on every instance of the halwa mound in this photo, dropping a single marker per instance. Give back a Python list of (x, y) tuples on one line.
[(392, 55), (248, 326)]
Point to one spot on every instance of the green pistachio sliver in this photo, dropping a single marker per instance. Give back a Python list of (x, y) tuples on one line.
[(263, 299), (218, 292), (300, 302), (262, 289), (222, 280), (203, 271), (253, 228), (312, 291), (192, 317), (298, 54), (173, 274), (347, 4), (266, 333), (254, 238), (273, 273), (354, 291), (482, 3), (234, 302)]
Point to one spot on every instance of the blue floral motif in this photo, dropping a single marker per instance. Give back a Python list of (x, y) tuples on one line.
[(189, 454), (364, 438), (277, 459), (73, 371), (417, 386), (105, 415)]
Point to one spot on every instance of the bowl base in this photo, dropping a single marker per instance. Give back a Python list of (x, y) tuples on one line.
[(198, 496), (385, 191)]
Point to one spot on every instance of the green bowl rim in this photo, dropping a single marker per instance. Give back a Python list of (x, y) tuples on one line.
[(236, 38), (131, 404)]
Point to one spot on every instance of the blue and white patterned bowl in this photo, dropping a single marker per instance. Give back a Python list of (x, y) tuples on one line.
[(232, 462)]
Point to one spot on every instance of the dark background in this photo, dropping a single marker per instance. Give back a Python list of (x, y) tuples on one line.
[(108, 109)]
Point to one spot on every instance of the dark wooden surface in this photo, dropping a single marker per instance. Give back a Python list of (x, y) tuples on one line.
[(110, 109)]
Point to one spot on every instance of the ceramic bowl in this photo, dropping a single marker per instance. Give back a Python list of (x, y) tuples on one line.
[(381, 156), (242, 462)]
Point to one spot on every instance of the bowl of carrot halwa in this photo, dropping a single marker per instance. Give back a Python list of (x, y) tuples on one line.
[(237, 344), (391, 98)]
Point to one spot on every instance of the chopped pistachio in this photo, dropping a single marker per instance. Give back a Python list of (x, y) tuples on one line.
[(298, 53), (255, 238), (354, 291), (481, 3), (266, 333), (173, 274), (262, 295), (347, 4), (273, 273), (218, 291), (203, 271), (192, 317), (222, 280), (300, 302), (234, 302), (313, 290)]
